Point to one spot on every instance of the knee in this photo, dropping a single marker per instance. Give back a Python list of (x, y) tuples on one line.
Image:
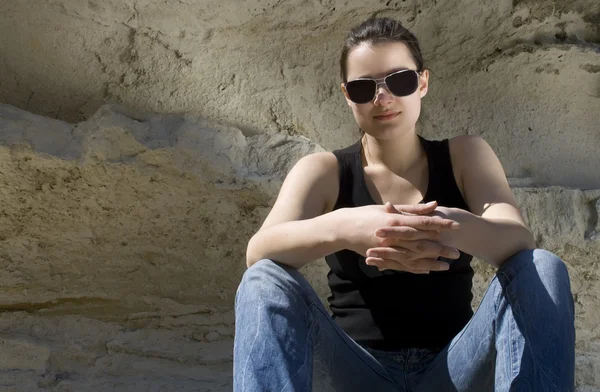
[(268, 278), (545, 265), (548, 263)]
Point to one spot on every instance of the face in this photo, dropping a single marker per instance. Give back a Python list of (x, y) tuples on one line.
[(386, 115)]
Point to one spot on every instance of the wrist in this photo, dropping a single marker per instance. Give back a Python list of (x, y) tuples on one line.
[(340, 237), (456, 214), (452, 237)]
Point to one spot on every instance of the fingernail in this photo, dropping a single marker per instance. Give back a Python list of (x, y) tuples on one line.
[(455, 226), (430, 203), (444, 267), (373, 254), (380, 233)]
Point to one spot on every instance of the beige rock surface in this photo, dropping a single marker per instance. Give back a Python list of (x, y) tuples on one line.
[(523, 73), (122, 243), (122, 232)]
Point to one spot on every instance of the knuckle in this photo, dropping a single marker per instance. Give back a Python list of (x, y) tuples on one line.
[(448, 222), (421, 246)]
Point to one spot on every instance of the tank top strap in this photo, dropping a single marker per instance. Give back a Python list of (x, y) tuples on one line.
[(442, 174), (349, 162)]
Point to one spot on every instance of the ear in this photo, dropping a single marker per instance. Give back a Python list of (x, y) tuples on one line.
[(424, 83), (348, 101)]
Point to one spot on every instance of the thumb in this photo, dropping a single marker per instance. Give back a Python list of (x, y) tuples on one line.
[(417, 209)]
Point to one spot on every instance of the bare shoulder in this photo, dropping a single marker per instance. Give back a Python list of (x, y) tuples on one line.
[(466, 143), (309, 189), (467, 151), (323, 162), (321, 171)]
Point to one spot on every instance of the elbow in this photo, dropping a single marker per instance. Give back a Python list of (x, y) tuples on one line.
[(528, 243), (254, 253), (250, 253)]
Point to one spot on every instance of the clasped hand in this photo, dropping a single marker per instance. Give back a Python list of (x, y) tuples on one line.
[(411, 243)]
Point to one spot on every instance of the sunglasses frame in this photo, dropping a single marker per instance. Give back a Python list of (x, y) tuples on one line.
[(382, 82)]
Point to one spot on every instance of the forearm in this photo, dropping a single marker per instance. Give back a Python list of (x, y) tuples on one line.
[(491, 240), (297, 243)]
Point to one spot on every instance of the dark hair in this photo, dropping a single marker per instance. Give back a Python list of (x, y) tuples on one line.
[(380, 30)]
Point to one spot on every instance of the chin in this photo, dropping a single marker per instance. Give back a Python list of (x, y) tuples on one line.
[(389, 131)]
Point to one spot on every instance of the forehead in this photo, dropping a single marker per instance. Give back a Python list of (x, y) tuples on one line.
[(376, 61)]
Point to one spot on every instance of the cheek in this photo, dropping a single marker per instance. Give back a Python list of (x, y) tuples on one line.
[(361, 115), (413, 107)]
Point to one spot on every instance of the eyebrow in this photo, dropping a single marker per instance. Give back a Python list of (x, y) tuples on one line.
[(391, 71)]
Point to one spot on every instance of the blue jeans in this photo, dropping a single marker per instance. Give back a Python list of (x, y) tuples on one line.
[(522, 338)]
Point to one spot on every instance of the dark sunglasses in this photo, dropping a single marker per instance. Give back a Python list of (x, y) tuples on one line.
[(400, 84)]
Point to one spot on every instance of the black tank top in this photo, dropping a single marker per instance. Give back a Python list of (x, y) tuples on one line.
[(391, 310)]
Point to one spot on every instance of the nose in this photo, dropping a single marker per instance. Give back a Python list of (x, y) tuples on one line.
[(382, 94)]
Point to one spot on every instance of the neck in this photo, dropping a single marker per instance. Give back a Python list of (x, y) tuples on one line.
[(399, 154)]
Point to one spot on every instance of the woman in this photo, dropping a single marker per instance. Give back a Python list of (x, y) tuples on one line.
[(400, 271)]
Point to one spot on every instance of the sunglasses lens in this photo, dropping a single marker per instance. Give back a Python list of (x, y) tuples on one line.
[(403, 83), (361, 91)]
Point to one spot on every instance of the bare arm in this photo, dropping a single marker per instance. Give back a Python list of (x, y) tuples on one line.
[(494, 230), (299, 228)]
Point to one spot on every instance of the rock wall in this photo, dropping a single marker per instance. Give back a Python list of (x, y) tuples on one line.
[(122, 231), (523, 73), (123, 238)]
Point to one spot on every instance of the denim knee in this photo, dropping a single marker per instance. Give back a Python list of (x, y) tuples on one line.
[(546, 264), (539, 265), (269, 278), (546, 261)]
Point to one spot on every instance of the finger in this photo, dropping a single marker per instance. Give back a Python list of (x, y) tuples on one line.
[(417, 209), (400, 255), (386, 264), (406, 258), (427, 223), (432, 265), (390, 209), (407, 233), (431, 249)]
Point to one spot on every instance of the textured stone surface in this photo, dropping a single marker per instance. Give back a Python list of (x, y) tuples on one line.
[(525, 74), (122, 236), (122, 243)]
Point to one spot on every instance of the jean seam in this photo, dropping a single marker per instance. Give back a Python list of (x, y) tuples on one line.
[(513, 303), (343, 338), (462, 332)]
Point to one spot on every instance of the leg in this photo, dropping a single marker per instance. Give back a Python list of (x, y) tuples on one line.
[(281, 325), (522, 337)]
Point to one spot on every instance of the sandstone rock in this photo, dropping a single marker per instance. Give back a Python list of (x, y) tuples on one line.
[(122, 231), (122, 251)]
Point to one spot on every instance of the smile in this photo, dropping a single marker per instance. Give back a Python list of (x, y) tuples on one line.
[(386, 116)]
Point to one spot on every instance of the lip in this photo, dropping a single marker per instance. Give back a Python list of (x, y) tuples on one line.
[(386, 116)]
